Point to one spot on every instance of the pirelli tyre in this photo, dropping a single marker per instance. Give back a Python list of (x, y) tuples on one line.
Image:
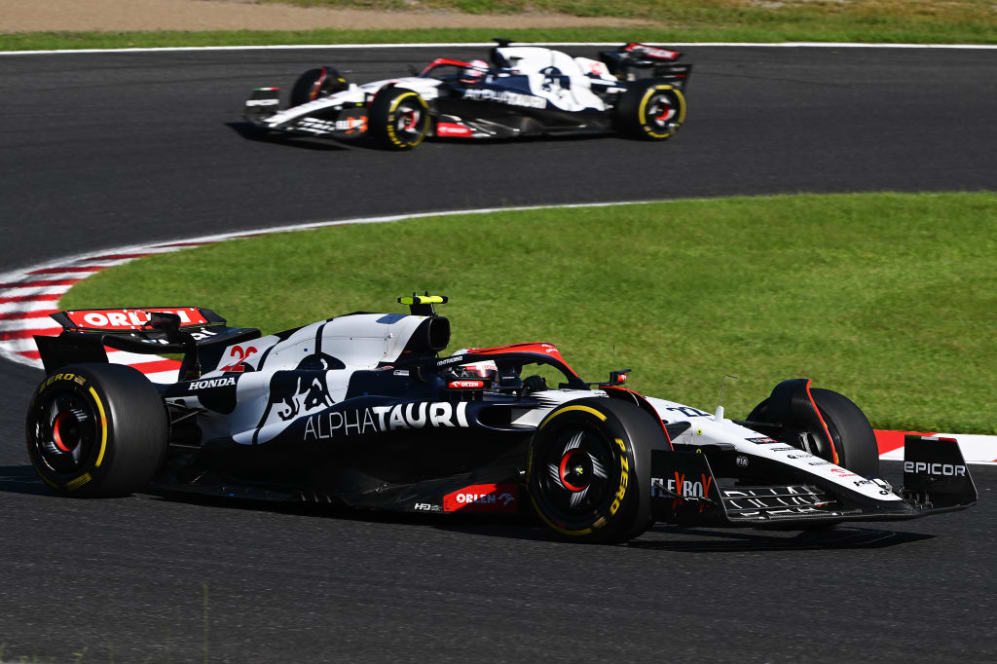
[(96, 430), (398, 118), (589, 470), (650, 110), (853, 441), (316, 83)]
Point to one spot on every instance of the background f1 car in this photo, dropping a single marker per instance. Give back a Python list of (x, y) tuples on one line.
[(523, 91), (360, 409)]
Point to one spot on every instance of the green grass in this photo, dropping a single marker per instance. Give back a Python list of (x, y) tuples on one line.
[(83, 40), (888, 298), (880, 21), (682, 10), (753, 20)]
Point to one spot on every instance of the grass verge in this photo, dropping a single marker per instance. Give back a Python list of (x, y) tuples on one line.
[(888, 298), (750, 25), (749, 20)]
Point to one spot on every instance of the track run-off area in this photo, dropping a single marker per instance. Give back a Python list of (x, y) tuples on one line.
[(109, 150)]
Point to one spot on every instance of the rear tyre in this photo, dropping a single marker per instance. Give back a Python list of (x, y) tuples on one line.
[(399, 118), (316, 83), (589, 470), (96, 430), (650, 110)]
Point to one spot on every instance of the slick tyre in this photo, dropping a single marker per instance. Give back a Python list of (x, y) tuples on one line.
[(853, 442), (398, 118), (96, 430), (851, 434), (650, 111), (317, 83), (590, 470)]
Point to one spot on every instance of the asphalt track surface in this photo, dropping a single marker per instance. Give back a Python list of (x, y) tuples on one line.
[(104, 150)]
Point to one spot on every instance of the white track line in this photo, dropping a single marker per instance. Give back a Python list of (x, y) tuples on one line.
[(302, 47)]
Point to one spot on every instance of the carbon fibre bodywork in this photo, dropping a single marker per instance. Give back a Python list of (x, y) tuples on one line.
[(362, 410), (523, 91)]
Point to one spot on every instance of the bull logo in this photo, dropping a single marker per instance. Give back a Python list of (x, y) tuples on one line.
[(295, 395), (553, 79)]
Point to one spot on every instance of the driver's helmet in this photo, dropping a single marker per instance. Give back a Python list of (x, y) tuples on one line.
[(475, 73)]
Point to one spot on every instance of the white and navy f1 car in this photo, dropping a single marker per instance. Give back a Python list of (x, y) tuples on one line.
[(362, 410), (523, 91)]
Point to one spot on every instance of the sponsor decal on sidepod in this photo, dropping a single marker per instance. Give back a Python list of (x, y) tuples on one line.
[(505, 97), (379, 419), (451, 129), (482, 498), (210, 383)]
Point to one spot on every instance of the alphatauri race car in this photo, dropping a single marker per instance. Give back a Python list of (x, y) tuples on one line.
[(523, 91), (362, 410)]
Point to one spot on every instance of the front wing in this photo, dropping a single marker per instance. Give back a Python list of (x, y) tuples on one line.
[(685, 490), (327, 120)]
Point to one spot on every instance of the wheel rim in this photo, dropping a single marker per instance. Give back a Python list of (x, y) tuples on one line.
[(816, 442), (65, 433), (575, 479), (661, 113), (409, 121)]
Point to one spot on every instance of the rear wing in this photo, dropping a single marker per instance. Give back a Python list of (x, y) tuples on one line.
[(148, 330), (633, 60), (131, 320)]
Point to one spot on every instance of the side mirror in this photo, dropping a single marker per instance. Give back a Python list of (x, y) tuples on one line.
[(618, 377)]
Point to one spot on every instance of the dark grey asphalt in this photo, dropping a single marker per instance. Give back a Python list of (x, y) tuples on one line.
[(104, 150)]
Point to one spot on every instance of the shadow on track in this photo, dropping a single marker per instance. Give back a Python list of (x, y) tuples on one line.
[(689, 540), (251, 132), (526, 527), (23, 479), (509, 526), (729, 541)]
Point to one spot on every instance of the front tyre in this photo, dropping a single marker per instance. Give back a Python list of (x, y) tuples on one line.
[(589, 470), (852, 439), (96, 430), (651, 111), (317, 83), (399, 118)]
